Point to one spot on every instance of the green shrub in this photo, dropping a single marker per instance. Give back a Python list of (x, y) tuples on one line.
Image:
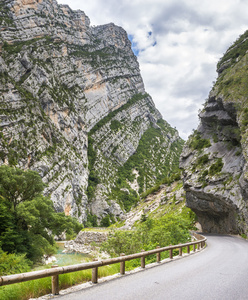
[(105, 221), (115, 125), (245, 117), (170, 229), (216, 167), (197, 143), (202, 160), (13, 263), (91, 220)]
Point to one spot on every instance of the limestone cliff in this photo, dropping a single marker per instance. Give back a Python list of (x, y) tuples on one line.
[(215, 156), (73, 107)]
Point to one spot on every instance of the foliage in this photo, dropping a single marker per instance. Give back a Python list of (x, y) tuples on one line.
[(17, 186), (202, 160), (27, 218), (237, 50), (245, 117), (197, 143), (13, 263), (140, 161), (91, 220), (126, 198), (170, 229), (115, 125), (105, 221), (216, 167), (62, 223)]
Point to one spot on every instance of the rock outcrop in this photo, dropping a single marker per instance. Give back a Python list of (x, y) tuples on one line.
[(73, 107), (214, 158), (85, 242)]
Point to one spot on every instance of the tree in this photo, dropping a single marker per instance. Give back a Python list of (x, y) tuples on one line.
[(28, 220), (17, 185)]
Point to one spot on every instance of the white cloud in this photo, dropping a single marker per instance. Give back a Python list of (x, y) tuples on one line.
[(179, 43)]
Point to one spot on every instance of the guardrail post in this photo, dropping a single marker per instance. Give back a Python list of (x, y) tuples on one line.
[(55, 282), (122, 265), (202, 244), (198, 246), (158, 255), (188, 249), (143, 261), (194, 247), (180, 251), (94, 276), (171, 253)]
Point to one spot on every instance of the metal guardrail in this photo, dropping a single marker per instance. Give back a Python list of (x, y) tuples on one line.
[(55, 271)]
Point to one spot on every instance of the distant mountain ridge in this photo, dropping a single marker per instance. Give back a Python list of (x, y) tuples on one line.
[(73, 107)]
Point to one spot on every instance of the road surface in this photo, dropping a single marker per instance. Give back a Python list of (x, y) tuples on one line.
[(219, 272)]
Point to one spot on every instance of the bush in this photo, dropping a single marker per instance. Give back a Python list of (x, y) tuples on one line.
[(216, 167), (202, 160), (105, 222), (13, 263), (150, 233), (115, 125), (91, 220), (197, 143)]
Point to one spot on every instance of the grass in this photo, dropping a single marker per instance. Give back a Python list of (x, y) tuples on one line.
[(39, 287)]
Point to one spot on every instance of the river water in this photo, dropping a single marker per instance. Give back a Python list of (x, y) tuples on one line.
[(64, 259)]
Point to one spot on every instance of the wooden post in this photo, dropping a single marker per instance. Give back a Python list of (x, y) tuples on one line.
[(194, 247), (171, 254), (180, 251), (94, 276), (198, 246), (122, 265), (188, 249), (158, 255), (55, 282), (143, 260)]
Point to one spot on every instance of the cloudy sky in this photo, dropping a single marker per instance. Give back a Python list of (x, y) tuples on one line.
[(178, 44)]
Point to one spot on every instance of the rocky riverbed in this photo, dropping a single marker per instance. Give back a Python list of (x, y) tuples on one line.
[(87, 242)]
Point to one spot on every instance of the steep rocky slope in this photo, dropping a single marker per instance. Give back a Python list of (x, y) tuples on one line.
[(215, 156), (73, 107), (167, 199)]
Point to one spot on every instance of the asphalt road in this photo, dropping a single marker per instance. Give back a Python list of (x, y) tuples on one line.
[(218, 272)]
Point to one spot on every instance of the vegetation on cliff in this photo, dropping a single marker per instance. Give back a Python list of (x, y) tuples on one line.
[(215, 156), (155, 158), (73, 107)]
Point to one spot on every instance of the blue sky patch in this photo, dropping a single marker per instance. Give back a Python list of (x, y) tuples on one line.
[(135, 48)]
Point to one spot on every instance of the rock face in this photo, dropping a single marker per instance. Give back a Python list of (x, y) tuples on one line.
[(73, 107), (214, 158), (83, 241)]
